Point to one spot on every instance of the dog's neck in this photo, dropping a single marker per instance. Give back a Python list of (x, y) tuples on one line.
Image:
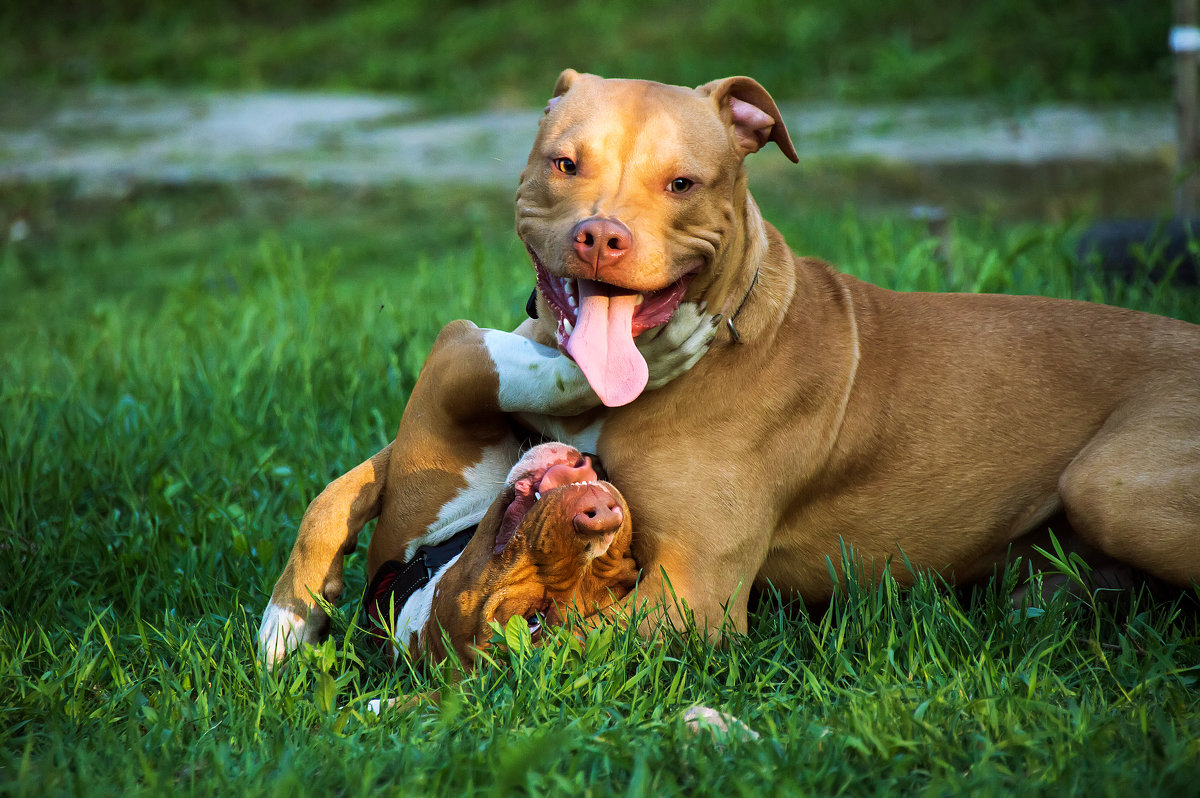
[(747, 266)]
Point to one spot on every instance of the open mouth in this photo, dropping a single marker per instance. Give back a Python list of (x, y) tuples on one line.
[(543, 476), (597, 324), (651, 308)]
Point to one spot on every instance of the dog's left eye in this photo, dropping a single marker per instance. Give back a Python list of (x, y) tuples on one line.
[(565, 165), (679, 185)]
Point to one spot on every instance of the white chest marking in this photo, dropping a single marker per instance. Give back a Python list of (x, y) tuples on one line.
[(414, 615), (484, 480)]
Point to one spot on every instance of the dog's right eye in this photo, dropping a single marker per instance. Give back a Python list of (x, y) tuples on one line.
[(680, 185), (565, 165)]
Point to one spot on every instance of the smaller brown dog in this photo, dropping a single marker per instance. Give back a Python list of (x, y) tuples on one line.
[(557, 539)]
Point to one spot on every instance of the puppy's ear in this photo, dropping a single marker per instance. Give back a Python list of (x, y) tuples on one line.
[(565, 79), (561, 86), (490, 532), (749, 110)]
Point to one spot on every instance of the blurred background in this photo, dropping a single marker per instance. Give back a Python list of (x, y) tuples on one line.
[(389, 128), (504, 54)]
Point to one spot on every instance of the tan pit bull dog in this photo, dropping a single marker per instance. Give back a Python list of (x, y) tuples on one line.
[(556, 540), (946, 427)]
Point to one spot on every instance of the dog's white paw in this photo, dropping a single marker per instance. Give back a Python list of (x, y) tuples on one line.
[(673, 348), (377, 706), (281, 632), (721, 725)]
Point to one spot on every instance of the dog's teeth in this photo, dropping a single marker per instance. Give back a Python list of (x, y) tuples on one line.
[(640, 299), (571, 300), (537, 496), (568, 327)]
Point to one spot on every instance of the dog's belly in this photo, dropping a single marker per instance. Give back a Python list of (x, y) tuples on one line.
[(961, 539)]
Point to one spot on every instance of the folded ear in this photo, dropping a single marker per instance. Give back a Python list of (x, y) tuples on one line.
[(561, 86), (495, 529), (565, 79), (749, 110)]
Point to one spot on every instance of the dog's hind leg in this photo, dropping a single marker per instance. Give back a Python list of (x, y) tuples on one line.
[(328, 532), (1134, 491)]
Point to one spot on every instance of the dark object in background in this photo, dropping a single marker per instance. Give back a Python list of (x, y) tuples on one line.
[(1131, 248)]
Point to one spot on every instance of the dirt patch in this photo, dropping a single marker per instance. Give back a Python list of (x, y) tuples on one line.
[(106, 140)]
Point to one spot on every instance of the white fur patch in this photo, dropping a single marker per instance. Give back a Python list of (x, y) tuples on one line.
[(484, 480), (721, 725), (536, 378)]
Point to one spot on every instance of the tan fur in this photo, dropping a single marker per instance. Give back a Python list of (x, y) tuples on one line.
[(943, 426)]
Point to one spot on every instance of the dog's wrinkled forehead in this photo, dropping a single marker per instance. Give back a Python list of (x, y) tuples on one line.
[(739, 106), (623, 117)]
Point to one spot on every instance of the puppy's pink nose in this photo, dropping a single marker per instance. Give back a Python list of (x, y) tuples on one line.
[(601, 242), (597, 513), (562, 474)]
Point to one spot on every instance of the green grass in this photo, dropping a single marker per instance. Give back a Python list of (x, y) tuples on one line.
[(467, 54), (182, 372)]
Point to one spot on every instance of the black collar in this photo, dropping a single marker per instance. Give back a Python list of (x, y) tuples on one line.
[(395, 582), (737, 338)]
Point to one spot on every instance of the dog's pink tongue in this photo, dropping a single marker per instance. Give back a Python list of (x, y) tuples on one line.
[(602, 343)]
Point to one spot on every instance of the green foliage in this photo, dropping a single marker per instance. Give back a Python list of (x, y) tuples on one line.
[(506, 52), (183, 372)]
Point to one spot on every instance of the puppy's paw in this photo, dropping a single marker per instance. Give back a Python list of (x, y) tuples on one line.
[(673, 348), (282, 631), (722, 726)]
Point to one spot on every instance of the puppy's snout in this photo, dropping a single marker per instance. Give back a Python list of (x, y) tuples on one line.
[(597, 513), (601, 242)]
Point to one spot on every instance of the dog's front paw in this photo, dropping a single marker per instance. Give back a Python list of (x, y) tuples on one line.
[(674, 347), (283, 630)]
